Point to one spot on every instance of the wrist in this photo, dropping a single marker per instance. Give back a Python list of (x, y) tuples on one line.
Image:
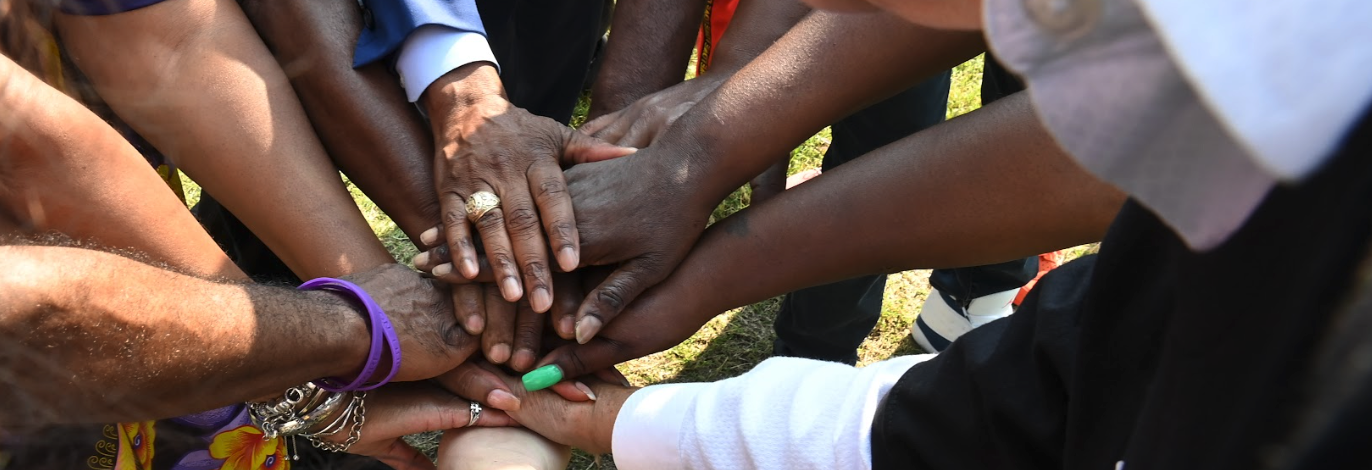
[(461, 88), (349, 349), (609, 400)]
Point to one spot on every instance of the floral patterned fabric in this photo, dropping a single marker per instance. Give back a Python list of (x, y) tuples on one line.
[(221, 439)]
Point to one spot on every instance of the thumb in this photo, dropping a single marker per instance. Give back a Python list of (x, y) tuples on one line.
[(575, 360), (582, 148)]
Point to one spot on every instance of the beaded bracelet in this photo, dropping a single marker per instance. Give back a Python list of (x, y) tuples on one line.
[(382, 331)]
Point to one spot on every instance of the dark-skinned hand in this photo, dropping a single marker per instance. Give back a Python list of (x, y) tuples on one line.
[(658, 320), (485, 143), (640, 124), (638, 215), (421, 312)]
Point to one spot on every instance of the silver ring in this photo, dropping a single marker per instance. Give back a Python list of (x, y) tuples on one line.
[(475, 413)]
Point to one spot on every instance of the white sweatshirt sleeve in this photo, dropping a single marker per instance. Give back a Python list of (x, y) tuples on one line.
[(786, 413)]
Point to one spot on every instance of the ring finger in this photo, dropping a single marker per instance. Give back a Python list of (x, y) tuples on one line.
[(496, 240)]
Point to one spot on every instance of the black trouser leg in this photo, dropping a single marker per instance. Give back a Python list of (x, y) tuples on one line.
[(829, 322), (544, 48)]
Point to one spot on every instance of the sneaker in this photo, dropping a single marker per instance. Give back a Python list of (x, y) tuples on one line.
[(942, 319)]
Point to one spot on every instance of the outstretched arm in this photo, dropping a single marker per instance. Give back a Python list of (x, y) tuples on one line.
[(989, 186), (90, 336), (63, 169), (193, 77), (643, 213), (649, 47)]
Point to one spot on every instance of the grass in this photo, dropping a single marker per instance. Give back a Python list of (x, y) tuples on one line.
[(735, 341)]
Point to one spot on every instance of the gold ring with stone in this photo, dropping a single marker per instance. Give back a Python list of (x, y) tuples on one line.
[(480, 203)]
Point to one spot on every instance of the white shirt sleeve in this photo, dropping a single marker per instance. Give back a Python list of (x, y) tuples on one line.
[(786, 413), (433, 50)]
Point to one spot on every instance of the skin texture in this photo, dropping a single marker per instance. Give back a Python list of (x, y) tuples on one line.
[(644, 212), (176, 344), (361, 115), (943, 14), (925, 204), (371, 132), (193, 77), (484, 143), (755, 26), (51, 180), (650, 47), (640, 215), (566, 413)]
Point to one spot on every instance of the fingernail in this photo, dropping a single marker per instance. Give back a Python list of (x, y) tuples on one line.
[(420, 259), (443, 269), (542, 377), (523, 359), (584, 389), (429, 237), (499, 353), (469, 268), (586, 328), (541, 300), (510, 287), (568, 258), (566, 327), (476, 324), (502, 400)]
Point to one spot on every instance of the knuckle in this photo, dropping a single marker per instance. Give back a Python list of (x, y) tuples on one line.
[(537, 270), (551, 187), (522, 220), (563, 232), (452, 217), (612, 297), (503, 261), (503, 162), (526, 333), (453, 335), (490, 221)]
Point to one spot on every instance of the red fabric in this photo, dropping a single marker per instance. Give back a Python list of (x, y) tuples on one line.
[(720, 14), (1047, 262)]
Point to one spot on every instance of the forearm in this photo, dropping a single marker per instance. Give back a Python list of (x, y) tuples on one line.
[(650, 45), (986, 187), (825, 68), (63, 169), (194, 79), (94, 337), (362, 116), (757, 24)]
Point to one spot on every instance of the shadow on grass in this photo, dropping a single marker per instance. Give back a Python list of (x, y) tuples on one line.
[(742, 343)]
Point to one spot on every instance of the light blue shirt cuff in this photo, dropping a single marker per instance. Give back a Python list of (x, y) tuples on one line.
[(434, 50)]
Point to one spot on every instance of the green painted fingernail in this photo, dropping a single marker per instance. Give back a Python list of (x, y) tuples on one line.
[(542, 377)]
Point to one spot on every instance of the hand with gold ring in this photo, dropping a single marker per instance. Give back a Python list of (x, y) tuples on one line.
[(479, 203), (505, 164)]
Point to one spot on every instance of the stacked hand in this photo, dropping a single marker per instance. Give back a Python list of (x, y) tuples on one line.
[(484, 144)]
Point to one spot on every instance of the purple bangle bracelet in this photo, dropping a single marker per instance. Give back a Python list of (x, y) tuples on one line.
[(382, 331)]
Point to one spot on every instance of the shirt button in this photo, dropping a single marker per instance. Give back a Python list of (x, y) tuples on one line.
[(1066, 17)]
